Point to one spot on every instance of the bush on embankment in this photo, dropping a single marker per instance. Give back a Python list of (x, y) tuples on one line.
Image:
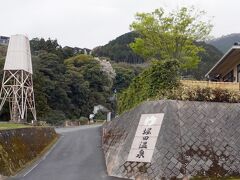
[(18, 147), (161, 81), (194, 94), (160, 76), (200, 94)]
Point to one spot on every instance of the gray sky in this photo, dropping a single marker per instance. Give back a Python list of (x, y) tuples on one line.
[(90, 23)]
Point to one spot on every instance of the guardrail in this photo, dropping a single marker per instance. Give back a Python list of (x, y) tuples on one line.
[(203, 84)]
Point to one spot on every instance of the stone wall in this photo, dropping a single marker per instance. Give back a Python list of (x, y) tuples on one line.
[(195, 139), (20, 146)]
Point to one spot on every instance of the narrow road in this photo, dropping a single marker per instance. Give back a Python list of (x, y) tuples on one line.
[(76, 156)]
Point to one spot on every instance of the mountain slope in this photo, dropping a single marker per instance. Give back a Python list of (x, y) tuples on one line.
[(224, 43), (208, 58), (118, 49)]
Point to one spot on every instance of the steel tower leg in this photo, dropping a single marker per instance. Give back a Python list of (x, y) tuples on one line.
[(17, 89)]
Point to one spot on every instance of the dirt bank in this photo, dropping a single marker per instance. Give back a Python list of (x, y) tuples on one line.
[(18, 147)]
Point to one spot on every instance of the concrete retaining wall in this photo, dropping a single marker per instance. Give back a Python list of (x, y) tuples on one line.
[(20, 146), (196, 139)]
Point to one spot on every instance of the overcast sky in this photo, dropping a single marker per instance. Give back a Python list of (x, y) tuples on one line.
[(90, 23)]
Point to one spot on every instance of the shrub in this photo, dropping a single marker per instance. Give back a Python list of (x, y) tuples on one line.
[(83, 120), (54, 117), (100, 116), (201, 94), (42, 123), (194, 94), (160, 76)]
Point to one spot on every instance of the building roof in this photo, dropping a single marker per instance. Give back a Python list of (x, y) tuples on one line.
[(18, 54), (4, 37), (228, 59)]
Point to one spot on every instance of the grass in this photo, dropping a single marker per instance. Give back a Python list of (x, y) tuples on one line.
[(4, 126)]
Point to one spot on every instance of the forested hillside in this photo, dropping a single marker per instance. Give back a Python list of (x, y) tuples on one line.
[(67, 85), (224, 43), (208, 58), (118, 50)]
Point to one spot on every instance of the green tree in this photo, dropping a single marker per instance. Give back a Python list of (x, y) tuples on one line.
[(171, 35), (208, 58), (50, 46), (3, 51), (125, 73), (49, 84), (89, 85)]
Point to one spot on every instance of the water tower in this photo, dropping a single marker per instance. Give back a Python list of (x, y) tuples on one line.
[(17, 84)]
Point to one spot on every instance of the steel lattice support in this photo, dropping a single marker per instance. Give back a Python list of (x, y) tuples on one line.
[(17, 89)]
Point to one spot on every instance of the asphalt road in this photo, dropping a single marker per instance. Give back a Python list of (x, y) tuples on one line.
[(76, 156)]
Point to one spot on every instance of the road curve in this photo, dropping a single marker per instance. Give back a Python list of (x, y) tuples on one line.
[(76, 156)]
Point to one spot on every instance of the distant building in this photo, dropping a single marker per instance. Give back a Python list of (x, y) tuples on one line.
[(4, 40), (85, 51), (227, 69), (77, 50)]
